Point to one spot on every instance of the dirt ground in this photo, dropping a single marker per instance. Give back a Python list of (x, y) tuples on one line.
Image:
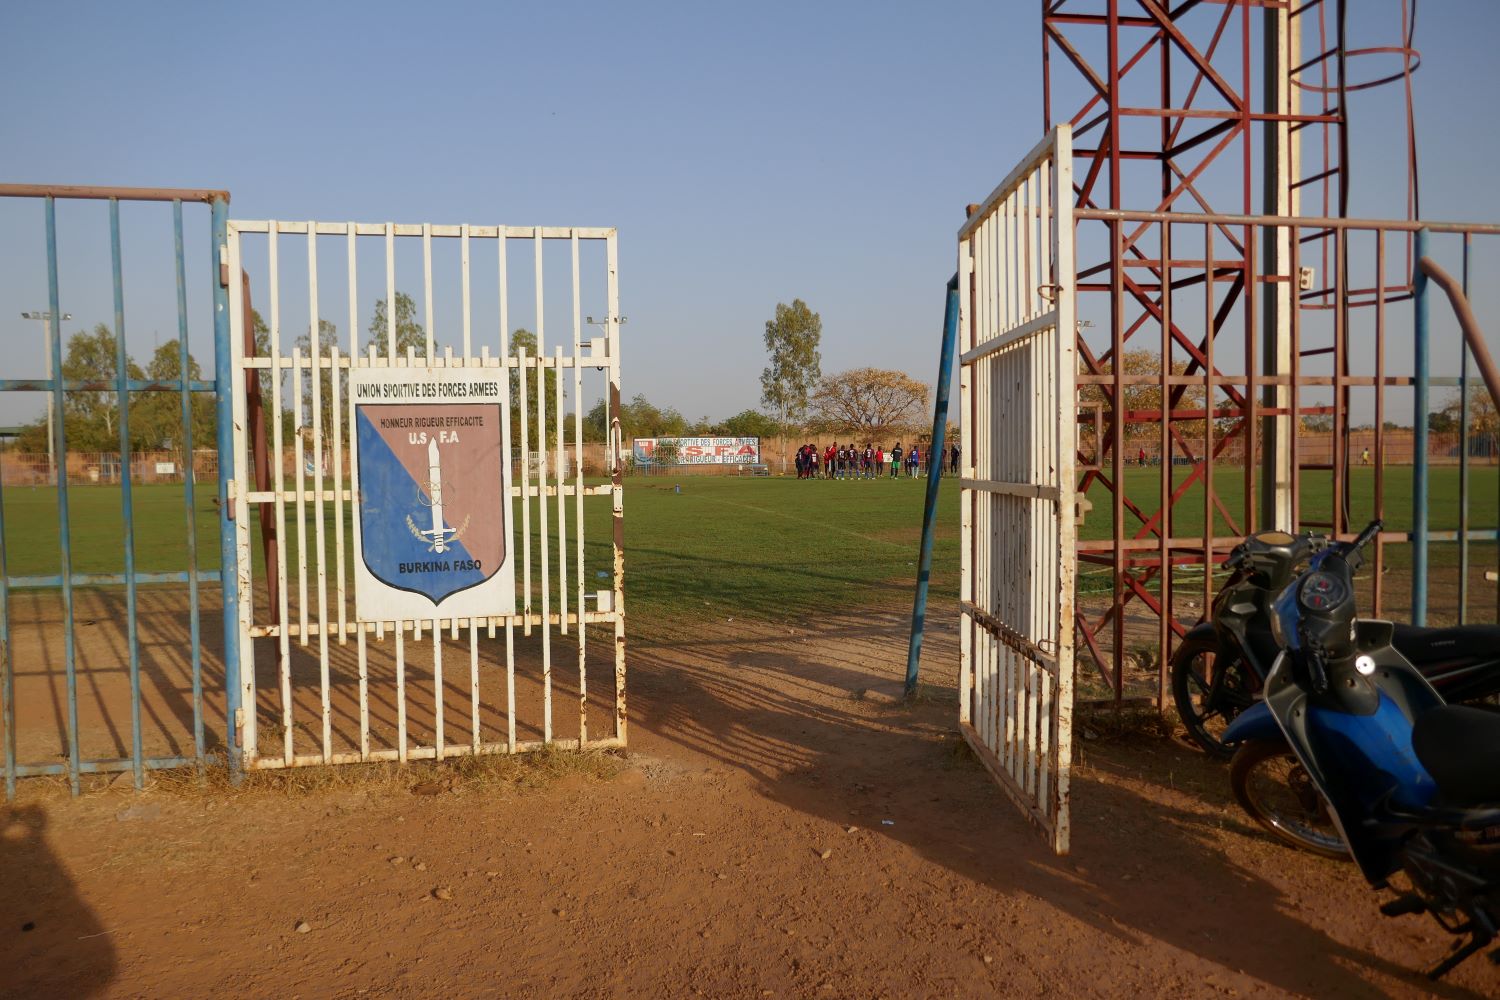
[(778, 827)]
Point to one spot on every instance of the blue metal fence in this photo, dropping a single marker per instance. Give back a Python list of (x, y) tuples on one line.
[(66, 580)]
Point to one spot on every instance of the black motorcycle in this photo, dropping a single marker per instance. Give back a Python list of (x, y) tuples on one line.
[(1412, 785), (1219, 669)]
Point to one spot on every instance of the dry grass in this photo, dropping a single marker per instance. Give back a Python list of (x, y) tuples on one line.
[(486, 773)]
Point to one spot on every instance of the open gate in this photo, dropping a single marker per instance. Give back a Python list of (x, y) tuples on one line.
[(324, 679), (1017, 323)]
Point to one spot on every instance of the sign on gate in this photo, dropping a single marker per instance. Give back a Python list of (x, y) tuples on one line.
[(433, 489)]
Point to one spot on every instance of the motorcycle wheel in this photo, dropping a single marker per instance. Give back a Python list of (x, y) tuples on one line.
[(1273, 787), (1205, 712)]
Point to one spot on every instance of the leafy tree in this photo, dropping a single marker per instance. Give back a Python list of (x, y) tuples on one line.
[(328, 339), (792, 338), (1483, 417), (156, 417), (525, 339), (638, 418), (409, 332), (596, 423), (748, 423), (1145, 397), (91, 418), (868, 402), (33, 437)]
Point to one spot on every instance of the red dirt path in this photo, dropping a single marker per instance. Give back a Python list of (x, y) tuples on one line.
[(699, 869)]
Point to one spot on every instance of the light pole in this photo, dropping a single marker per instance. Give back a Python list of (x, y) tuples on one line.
[(44, 316)]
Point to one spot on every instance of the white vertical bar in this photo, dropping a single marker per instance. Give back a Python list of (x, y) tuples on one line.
[(427, 286), (543, 531), (973, 510), (437, 689), (400, 631), (504, 310), (284, 664), (474, 685), (249, 732), (617, 491), (336, 363), (523, 364), (361, 649), (965, 496), (510, 686), (298, 457), (541, 326), (463, 256), (364, 691), (390, 293), (1067, 483), (319, 506), (561, 477), (583, 685)]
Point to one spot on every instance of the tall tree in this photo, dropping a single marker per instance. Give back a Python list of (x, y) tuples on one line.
[(868, 402), (524, 339), (792, 338), (1483, 418), (328, 339), (92, 417), (748, 423), (409, 332), (1144, 397), (156, 417)]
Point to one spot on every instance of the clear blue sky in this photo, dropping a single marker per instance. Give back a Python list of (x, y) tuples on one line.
[(748, 154)]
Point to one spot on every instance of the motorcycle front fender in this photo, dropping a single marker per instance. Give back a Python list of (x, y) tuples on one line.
[(1254, 723)]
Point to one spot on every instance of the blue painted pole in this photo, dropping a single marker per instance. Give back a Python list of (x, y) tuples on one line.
[(936, 451), (127, 506), (1421, 383), (7, 676), (1463, 461), (60, 449), (224, 415), (188, 493)]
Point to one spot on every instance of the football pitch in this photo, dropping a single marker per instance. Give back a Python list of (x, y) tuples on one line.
[(761, 548)]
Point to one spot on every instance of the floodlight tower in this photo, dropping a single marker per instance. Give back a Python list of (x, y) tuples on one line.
[(1237, 108)]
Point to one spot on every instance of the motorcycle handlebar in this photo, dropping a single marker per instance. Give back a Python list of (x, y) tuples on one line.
[(1364, 537)]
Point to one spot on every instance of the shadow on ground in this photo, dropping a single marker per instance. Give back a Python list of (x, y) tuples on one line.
[(1147, 862)]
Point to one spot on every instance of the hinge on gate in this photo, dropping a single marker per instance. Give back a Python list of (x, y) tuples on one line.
[(223, 265), (230, 498), (239, 727)]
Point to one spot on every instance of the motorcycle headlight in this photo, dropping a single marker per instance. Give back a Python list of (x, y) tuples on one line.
[(1276, 630)]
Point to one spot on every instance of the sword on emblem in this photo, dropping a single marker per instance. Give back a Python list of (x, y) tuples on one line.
[(439, 535)]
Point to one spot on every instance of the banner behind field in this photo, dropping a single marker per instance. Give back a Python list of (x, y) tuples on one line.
[(701, 450)]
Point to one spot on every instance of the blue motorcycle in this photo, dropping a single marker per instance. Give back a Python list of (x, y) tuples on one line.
[(1404, 782)]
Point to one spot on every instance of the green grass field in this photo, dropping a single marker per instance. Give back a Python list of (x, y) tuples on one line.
[(723, 546)]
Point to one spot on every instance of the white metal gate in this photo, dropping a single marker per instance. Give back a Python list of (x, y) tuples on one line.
[(320, 686), (1016, 295)]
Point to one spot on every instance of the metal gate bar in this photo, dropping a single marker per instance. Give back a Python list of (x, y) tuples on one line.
[(138, 762), (312, 614)]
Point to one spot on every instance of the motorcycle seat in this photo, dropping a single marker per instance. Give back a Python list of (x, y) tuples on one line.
[(1424, 646), (1460, 747)]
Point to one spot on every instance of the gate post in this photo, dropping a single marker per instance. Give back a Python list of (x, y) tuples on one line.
[(228, 555)]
